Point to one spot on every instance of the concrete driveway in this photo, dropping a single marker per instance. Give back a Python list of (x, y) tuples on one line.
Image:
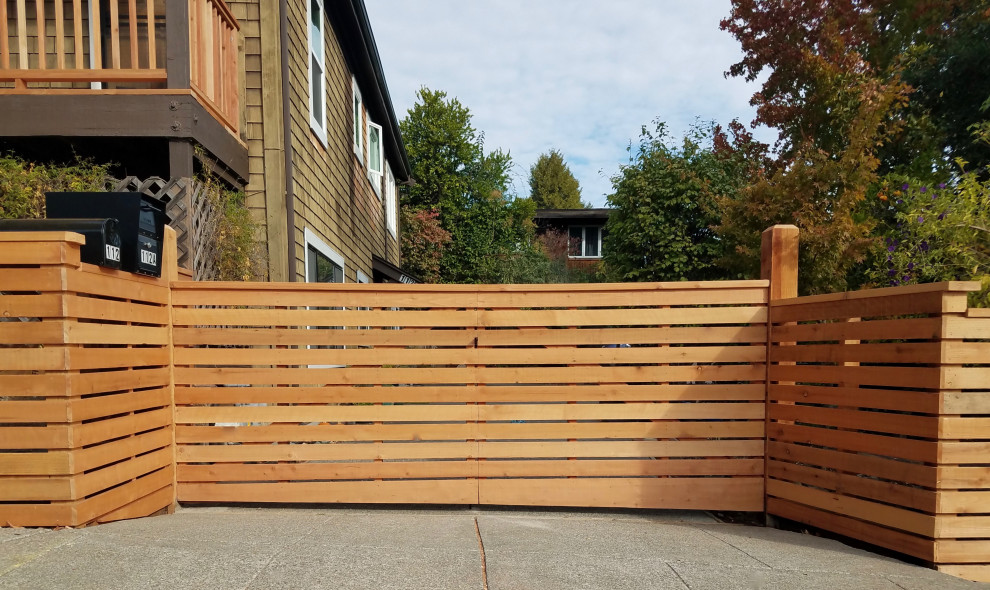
[(344, 548)]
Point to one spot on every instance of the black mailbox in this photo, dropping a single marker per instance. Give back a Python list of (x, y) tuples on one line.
[(141, 222), (102, 245)]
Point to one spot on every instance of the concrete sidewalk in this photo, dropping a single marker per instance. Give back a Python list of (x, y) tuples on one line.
[(344, 548)]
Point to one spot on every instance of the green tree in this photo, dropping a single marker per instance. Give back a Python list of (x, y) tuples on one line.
[(467, 189), (551, 184), (937, 233), (661, 228)]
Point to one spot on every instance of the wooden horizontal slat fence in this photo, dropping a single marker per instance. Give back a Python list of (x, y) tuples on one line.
[(877, 421), (606, 395), (85, 390), (866, 413)]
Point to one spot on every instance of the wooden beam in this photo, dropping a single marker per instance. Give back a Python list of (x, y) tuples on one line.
[(59, 34), (273, 145), (132, 31), (22, 48), (114, 34), (40, 34), (177, 54), (779, 261), (96, 75), (166, 116), (152, 48), (96, 28), (77, 34), (4, 43), (180, 159)]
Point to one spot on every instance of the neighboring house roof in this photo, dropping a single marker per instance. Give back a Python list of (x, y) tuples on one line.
[(559, 217), (350, 20)]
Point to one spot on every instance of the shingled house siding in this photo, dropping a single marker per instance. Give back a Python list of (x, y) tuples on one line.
[(247, 14), (263, 139), (333, 197)]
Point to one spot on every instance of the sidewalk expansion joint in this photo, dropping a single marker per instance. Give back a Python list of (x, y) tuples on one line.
[(481, 550)]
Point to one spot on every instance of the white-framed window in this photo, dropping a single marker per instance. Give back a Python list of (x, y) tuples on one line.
[(323, 265), (317, 76), (585, 241), (391, 204), (375, 156), (358, 105), (363, 278)]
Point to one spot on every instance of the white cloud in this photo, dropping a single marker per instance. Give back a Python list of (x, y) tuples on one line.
[(581, 76)]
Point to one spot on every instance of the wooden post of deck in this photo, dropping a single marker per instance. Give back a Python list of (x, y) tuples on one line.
[(177, 58)]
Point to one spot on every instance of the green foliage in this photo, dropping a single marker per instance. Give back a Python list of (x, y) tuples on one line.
[(235, 241), (946, 66), (935, 233), (821, 193), (446, 153), (489, 231), (665, 204), (23, 184), (859, 92), (551, 184), (544, 261), (555, 245)]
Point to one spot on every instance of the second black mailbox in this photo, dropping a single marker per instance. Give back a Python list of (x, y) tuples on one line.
[(141, 223)]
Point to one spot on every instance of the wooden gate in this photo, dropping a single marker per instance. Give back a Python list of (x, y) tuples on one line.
[(633, 395)]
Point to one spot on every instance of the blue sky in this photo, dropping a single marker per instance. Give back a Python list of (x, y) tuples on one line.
[(580, 76)]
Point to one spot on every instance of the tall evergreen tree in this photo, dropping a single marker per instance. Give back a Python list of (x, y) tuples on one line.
[(552, 186), (485, 231)]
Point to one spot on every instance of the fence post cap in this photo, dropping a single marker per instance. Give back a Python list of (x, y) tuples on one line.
[(42, 236)]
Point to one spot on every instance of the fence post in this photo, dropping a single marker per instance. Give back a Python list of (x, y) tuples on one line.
[(779, 265), (779, 260), (170, 273)]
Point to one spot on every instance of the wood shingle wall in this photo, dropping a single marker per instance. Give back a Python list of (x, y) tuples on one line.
[(333, 197)]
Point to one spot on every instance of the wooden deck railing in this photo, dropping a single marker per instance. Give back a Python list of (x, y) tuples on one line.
[(213, 52), (67, 46)]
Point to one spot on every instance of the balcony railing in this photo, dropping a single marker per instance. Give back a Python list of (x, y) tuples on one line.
[(122, 47)]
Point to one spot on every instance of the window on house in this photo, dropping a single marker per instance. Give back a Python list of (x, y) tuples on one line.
[(358, 139), (391, 205), (323, 265), (586, 241), (375, 156), (322, 269), (317, 93)]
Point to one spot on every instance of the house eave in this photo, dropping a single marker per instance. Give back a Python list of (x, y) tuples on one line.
[(350, 20)]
